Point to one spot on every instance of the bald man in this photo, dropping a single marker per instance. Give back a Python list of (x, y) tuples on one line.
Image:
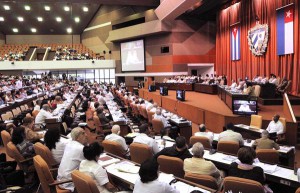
[(115, 136)]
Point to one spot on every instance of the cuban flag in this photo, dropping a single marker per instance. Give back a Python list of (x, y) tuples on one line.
[(285, 30), (235, 42)]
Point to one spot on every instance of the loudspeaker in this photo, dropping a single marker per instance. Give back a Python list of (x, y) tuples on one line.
[(164, 49)]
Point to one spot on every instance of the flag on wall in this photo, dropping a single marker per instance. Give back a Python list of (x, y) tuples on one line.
[(285, 30), (235, 42)]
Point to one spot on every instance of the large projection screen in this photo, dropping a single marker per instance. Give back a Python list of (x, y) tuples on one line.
[(133, 56)]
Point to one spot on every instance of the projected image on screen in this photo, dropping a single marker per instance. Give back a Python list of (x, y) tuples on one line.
[(244, 107), (132, 56)]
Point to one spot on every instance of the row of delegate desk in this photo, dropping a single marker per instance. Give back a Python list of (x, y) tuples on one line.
[(267, 90), (29, 99)]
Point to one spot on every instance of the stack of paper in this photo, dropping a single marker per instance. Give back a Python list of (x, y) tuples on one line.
[(268, 168), (127, 167), (106, 160)]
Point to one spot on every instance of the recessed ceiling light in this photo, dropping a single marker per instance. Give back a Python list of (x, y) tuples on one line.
[(27, 7), (47, 8), (21, 19), (66, 8), (77, 19), (15, 30), (69, 30), (33, 30), (85, 9), (6, 7), (1, 18), (58, 19), (40, 19)]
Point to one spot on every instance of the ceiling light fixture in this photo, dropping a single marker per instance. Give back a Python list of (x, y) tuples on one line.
[(1, 18), (40, 19), (85, 9), (77, 19), (20, 19), (33, 30), (15, 30), (58, 19), (6, 7), (69, 30), (66, 8), (27, 7), (47, 8)]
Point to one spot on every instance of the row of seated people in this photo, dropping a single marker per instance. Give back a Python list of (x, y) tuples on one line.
[(69, 53), (206, 79), (63, 51), (74, 156), (13, 56)]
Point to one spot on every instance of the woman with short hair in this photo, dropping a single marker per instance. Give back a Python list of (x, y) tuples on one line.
[(245, 168), (149, 182)]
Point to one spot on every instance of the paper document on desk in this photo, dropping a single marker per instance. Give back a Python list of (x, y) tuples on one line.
[(230, 158), (186, 188), (106, 160), (127, 167), (167, 178), (285, 148), (268, 168)]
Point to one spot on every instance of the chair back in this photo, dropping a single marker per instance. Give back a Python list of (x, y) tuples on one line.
[(113, 148), (43, 173), (256, 91), (150, 116), (5, 117), (283, 121), (205, 180), (97, 124), (256, 121), (45, 153), (204, 140), (35, 113), (157, 125), (144, 112), (171, 165), (5, 136), (84, 183), (229, 147), (15, 154), (235, 184), (268, 155), (140, 152)]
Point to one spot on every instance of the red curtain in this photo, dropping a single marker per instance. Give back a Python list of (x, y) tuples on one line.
[(250, 65)]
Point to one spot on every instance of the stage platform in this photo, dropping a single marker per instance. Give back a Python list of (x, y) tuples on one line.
[(278, 101), (213, 112)]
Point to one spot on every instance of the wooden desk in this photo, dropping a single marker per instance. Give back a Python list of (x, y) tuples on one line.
[(206, 88), (176, 86), (228, 96)]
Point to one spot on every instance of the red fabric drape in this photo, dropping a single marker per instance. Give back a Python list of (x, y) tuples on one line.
[(250, 65)]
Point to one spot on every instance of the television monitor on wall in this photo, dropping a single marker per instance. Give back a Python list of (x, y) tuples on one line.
[(152, 88), (180, 95), (244, 107), (163, 91), (133, 56)]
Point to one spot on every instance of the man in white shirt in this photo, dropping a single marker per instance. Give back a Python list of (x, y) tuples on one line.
[(159, 116), (19, 83), (72, 157), (233, 84), (115, 136), (230, 135), (202, 132), (244, 107), (43, 114), (143, 138), (275, 126), (153, 109)]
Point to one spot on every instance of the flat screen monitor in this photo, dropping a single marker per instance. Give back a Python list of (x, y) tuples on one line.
[(133, 56), (163, 91), (244, 107), (180, 95), (152, 88)]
